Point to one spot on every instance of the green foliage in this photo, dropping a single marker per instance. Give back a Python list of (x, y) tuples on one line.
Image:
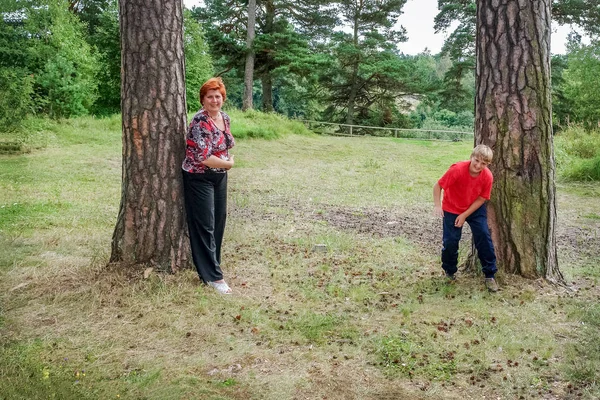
[(365, 67), (295, 97), (104, 39), (460, 44), (452, 119), (65, 81), (581, 82), (458, 88), (13, 40), (587, 170), (460, 15), (578, 154), (281, 44), (582, 13), (198, 63), (370, 86), (16, 88), (579, 143)]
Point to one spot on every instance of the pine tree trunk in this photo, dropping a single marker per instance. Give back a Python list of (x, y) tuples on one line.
[(513, 116), (267, 78), (249, 70), (354, 78), (151, 228), (352, 95), (267, 92)]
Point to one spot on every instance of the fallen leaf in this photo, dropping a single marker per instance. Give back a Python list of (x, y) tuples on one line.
[(147, 272)]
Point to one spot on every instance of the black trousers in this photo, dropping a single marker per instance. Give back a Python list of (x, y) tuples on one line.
[(206, 207)]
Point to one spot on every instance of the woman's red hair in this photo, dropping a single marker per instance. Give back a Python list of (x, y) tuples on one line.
[(213, 84)]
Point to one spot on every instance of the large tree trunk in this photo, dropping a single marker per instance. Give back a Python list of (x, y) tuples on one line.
[(249, 70), (513, 116), (151, 227)]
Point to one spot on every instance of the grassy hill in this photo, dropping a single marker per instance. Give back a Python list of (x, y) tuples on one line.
[(370, 317)]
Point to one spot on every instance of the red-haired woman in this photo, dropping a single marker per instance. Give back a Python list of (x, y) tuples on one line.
[(205, 167)]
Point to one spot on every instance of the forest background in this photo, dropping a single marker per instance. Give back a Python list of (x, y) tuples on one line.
[(317, 60)]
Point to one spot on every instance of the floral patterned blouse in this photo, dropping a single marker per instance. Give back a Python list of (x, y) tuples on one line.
[(204, 139)]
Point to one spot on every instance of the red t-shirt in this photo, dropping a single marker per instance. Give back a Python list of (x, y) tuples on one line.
[(461, 189)]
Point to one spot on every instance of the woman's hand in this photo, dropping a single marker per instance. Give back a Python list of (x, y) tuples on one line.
[(230, 161), (216, 162)]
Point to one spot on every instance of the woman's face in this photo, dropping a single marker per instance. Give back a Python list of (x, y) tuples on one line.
[(212, 101)]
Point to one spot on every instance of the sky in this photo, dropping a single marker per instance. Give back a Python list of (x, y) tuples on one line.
[(417, 19)]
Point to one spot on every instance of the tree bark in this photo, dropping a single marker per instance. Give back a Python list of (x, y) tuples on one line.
[(267, 77), (352, 95), (249, 70), (354, 77), (513, 116), (150, 227), (267, 89)]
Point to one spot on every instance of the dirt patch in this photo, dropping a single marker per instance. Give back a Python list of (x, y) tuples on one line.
[(416, 225)]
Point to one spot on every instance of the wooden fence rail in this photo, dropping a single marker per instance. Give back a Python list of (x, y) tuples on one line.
[(355, 130)]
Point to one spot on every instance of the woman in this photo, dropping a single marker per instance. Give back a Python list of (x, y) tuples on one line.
[(205, 167)]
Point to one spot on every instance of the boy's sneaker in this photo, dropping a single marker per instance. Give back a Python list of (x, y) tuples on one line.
[(491, 285), (450, 277)]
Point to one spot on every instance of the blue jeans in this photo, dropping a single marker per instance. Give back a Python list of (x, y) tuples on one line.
[(481, 237)]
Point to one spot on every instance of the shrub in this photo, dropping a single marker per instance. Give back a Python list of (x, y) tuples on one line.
[(578, 154), (16, 88), (66, 78), (578, 142), (583, 170)]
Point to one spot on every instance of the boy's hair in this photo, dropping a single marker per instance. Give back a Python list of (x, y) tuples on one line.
[(484, 152)]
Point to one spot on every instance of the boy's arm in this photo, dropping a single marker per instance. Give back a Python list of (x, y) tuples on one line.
[(437, 200), (460, 220)]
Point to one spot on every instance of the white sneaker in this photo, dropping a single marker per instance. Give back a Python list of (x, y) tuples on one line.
[(221, 287)]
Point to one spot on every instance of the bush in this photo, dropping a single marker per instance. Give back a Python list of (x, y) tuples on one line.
[(578, 142), (66, 78), (450, 118), (578, 154), (583, 170), (16, 88)]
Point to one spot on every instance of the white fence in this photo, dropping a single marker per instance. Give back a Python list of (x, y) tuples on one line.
[(362, 130)]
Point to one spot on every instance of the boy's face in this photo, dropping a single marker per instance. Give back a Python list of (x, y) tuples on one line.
[(477, 165)]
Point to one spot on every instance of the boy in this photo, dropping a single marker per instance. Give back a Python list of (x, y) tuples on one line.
[(467, 185)]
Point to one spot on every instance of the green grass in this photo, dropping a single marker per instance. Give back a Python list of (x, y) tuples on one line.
[(370, 317), (578, 155), (583, 366), (258, 125)]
